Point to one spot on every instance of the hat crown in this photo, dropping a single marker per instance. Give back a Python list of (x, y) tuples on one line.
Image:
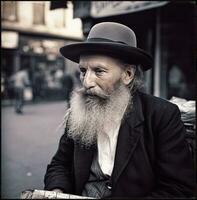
[(113, 31)]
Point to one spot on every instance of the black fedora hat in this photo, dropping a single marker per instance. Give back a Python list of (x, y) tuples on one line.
[(113, 39)]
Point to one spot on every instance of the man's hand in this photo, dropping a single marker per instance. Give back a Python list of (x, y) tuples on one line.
[(57, 190)]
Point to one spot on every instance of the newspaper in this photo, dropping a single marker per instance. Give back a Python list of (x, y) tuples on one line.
[(44, 194), (188, 116), (187, 108)]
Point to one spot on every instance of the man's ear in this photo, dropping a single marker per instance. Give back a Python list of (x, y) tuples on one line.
[(128, 74)]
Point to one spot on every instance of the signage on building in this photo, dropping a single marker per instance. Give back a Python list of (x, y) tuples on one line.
[(9, 39), (110, 8)]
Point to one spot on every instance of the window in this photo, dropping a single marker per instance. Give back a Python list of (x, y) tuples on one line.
[(9, 10), (39, 13), (59, 18)]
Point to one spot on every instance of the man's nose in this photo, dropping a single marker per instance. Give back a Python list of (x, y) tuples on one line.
[(89, 80)]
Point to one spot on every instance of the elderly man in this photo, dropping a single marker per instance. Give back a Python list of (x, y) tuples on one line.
[(118, 141)]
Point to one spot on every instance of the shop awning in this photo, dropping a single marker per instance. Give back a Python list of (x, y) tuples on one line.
[(110, 8), (98, 9)]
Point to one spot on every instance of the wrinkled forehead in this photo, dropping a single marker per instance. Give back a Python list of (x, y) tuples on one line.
[(108, 60)]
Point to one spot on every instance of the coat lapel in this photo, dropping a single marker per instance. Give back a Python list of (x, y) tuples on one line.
[(129, 135), (82, 163)]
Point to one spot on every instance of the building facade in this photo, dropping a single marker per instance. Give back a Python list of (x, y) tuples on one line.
[(32, 34)]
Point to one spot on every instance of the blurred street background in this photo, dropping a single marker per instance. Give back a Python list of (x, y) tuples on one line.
[(31, 35), (28, 143)]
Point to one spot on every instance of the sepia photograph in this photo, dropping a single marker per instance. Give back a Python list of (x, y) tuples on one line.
[(98, 99)]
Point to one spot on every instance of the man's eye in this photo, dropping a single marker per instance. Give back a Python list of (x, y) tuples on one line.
[(83, 70), (99, 71)]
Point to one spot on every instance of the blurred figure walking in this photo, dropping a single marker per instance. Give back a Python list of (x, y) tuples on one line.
[(68, 84), (20, 80)]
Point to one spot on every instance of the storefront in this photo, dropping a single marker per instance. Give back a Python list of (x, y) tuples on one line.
[(40, 56), (10, 41)]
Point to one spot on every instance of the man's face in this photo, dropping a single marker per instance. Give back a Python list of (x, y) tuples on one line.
[(102, 100), (100, 75)]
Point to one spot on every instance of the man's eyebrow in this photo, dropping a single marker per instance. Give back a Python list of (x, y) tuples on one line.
[(94, 66), (100, 66), (81, 66)]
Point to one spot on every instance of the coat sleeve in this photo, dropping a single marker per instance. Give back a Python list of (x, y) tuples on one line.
[(59, 171), (174, 165)]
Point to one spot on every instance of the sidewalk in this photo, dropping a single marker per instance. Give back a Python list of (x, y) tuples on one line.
[(8, 102), (28, 143)]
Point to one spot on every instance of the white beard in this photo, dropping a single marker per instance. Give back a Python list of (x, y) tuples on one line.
[(90, 116)]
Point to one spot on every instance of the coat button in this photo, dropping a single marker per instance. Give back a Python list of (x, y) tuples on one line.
[(109, 186)]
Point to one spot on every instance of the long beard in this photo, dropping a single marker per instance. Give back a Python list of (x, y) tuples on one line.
[(92, 115)]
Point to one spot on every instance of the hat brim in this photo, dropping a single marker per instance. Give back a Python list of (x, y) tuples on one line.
[(131, 55)]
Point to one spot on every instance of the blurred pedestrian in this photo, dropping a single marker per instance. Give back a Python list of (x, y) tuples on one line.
[(68, 84), (38, 83), (20, 80), (177, 83)]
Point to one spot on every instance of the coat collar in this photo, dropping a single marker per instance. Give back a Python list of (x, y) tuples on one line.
[(129, 134), (135, 116)]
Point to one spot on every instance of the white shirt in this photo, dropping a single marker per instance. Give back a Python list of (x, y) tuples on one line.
[(20, 79), (106, 149)]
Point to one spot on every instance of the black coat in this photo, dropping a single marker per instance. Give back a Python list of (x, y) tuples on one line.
[(152, 156)]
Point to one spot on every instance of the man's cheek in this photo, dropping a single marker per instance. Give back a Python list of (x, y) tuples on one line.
[(109, 90)]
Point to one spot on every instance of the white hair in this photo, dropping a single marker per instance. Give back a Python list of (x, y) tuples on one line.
[(91, 116)]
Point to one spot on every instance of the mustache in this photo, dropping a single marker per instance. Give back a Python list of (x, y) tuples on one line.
[(93, 93)]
